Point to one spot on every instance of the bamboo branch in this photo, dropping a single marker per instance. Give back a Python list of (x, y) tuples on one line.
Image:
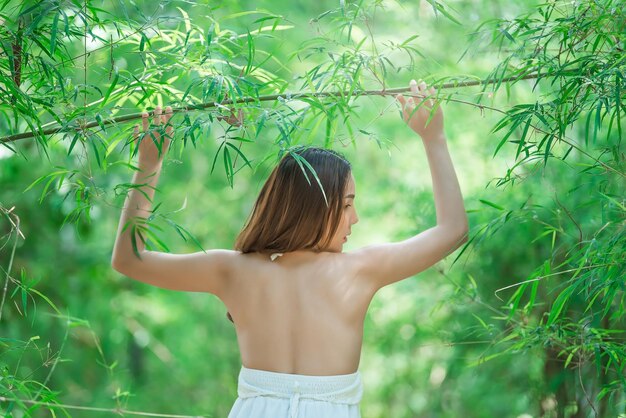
[(118, 411), (18, 233), (243, 100), (564, 138)]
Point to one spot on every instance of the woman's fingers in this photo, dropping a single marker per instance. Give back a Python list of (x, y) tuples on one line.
[(144, 121), (157, 116), (408, 105), (167, 115), (409, 109), (418, 93), (400, 98), (433, 94), (166, 119), (422, 91)]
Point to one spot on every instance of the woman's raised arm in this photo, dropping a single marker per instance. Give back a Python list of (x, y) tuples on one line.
[(381, 265), (203, 271)]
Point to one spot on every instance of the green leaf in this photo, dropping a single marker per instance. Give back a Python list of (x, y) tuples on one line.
[(92, 142), (113, 144), (112, 86), (24, 293), (515, 299), (74, 140), (135, 231), (142, 42), (546, 153), (238, 151), (100, 121), (251, 52), (438, 7), (516, 123), (493, 205), (598, 359), (614, 201), (228, 166), (408, 40), (216, 154), (180, 229), (53, 34), (559, 304), (260, 124), (533, 295), (569, 357), (302, 162), (48, 301), (484, 325), (522, 139), (155, 238)]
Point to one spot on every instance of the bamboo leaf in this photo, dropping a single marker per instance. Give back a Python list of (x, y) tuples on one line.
[(53, 33), (238, 151), (484, 325), (112, 86), (493, 205), (228, 166), (47, 299), (533, 295), (180, 229), (559, 304), (302, 162), (216, 154), (508, 134), (569, 357)]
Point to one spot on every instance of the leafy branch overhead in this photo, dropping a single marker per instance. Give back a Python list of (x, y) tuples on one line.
[(313, 99), (547, 240)]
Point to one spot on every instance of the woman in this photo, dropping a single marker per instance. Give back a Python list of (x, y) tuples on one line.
[(297, 301)]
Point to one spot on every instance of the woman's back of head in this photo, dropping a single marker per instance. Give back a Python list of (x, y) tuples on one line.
[(292, 211)]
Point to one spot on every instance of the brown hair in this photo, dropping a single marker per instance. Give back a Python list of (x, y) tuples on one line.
[(292, 211)]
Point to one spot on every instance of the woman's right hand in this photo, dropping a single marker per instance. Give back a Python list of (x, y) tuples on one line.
[(417, 109)]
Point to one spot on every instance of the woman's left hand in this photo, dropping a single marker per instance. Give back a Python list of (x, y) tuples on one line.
[(153, 145)]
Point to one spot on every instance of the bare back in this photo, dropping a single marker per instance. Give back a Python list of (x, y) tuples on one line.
[(302, 313)]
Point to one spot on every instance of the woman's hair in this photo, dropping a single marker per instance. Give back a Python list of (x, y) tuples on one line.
[(291, 212)]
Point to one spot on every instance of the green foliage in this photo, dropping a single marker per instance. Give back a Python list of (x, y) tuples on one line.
[(537, 305)]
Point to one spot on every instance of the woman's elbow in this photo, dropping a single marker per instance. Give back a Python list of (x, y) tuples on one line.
[(464, 235), (117, 264)]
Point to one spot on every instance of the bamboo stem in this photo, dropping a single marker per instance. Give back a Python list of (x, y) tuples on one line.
[(243, 100)]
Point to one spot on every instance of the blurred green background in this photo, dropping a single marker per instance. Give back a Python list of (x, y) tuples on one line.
[(462, 339)]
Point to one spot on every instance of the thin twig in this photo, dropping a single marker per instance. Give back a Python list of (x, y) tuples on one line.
[(472, 297), (118, 411), (582, 385), (18, 233), (243, 100), (548, 275), (514, 285), (54, 365)]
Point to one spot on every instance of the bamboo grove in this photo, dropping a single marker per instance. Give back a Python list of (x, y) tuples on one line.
[(75, 75)]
